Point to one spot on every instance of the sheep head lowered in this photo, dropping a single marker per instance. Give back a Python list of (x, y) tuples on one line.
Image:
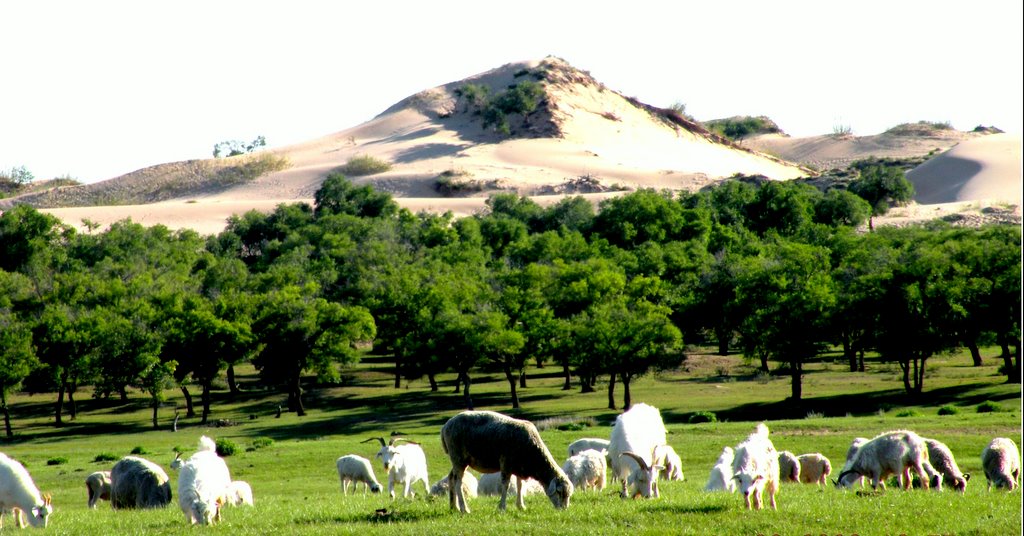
[(643, 482), (388, 453)]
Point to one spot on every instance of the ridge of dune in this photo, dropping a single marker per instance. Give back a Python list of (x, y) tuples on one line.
[(981, 168)]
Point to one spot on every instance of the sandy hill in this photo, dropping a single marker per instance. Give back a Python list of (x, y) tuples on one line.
[(981, 168)]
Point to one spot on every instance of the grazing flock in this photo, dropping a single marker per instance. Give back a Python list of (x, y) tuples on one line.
[(512, 458)]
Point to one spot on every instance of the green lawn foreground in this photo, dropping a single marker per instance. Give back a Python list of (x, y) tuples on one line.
[(297, 489)]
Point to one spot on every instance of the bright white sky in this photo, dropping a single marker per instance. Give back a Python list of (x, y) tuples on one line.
[(101, 88)]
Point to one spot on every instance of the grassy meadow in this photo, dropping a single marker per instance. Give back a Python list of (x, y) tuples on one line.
[(297, 489)]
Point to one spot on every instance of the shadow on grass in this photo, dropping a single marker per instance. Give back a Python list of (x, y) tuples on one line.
[(685, 509), (379, 516)]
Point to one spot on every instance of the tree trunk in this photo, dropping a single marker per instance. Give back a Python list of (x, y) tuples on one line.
[(905, 366), (297, 394), (764, 362), (849, 353), (458, 383), (512, 387), (189, 410), (627, 401), (398, 372), (919, 379), (7, 414), (60, 402), (975, 353), (611, 391), (522, 379), (206, 401), (568, 377), (72, 405), (722, 333), (433, 382), (232, 386), (860, 362), (465, 391), (156, 408), (796, 385), (122, 392)]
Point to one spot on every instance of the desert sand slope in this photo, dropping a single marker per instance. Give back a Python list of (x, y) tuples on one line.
[(987, 168), (830, 152)]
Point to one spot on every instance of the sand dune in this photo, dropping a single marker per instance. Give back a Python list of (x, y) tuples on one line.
[(981, 168)]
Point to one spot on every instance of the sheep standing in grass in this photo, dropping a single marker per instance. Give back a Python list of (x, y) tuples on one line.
[(138, 483), (672, 464), (814, 468), (489, 485), (356, 469), (890, 453), (588, 443), (587, 469), (203, 483), (1001, 462), (756, 467), (635, 436), (851, 453), (404, 463), (239, 493), (721, 477), (491, 442), (942, 460), (98, 487), (789, 467), (19, 495), (470, 486)]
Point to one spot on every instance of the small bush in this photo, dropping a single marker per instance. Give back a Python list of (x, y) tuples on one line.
[(140, 450), (948, 410), (989, 407), (262, 442), (226, 447), (909, 413), (702, 416), (573, 426), (60, 460), (362, 165), (815, 415), (104, 457)]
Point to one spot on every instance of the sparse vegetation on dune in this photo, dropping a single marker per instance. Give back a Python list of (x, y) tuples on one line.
[(920, 128), (739, 127), (363, 165)]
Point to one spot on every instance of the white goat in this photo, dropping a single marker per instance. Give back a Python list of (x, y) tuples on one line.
[(588, 443), (635, 436), (489, 485), (851, 453), (756, 467), (942, 460), (356, 469), (491, 442), (138, 483), (203, 483), (789, 467), (814, 468), (405, 464), (98, 486), (588, 469), (721, 477), (1001, 463), (890, 453), (470, 486), (19, 494), (672, 464), (239, 493)]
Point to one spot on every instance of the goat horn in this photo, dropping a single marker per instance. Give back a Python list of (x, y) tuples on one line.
[(381, 439), (844, 473), (639, 460)]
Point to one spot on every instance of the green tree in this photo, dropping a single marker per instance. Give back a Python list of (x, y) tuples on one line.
[(883, 187), (234, 147), (841, 207), (17, 356)]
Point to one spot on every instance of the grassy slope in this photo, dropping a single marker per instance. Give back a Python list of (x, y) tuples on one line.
[(297, 489)]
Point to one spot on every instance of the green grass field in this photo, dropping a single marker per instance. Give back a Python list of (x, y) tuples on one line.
[(297, 490)]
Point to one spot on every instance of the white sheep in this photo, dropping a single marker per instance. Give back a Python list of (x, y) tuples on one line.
[(203, 483), (97, 485), (814, 468), (177, 462), (588, 469), (588, 443), (789, 467), (672, 464), (138, 483), (895, 452), (1001, 462), (721, 477), (405, 464), (470, 486), (19, 495), (491, 442), (756, 467), (356, 469), (489, 485), (851, 453), (942, 460), (239, 493), (635, 436)]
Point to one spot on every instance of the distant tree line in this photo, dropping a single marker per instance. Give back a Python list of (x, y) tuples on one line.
[(777, 271)]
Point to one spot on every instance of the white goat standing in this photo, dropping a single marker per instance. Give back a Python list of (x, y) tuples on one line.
[(203, 483), (721, 477), (756, 467), (19, 494), (239, 493), (404, 463), (98, 487), (356, 469), (789, 467), (470, 486), (942, 460), (887, 454), (851, 453), (588, 443), (672, 464), (635, 436), (489, 485), (1001, 462), (588, 469), (814, 468)]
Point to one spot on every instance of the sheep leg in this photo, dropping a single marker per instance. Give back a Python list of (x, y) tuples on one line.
[(391, 485), (519, 494), (504, 490), (922, 474), (407, 491), (905, 482)]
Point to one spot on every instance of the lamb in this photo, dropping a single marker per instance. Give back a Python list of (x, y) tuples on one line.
[(356, 469), (587, 469), (19, 494), (1001, 462), (789, 467), (490, 442), (98, 487), (203, 483), (666, 456), (404, 463), (239, 493), (721, 477), (489, 485), (469, 486), (138, 483), (814, 469), (756, 467), (588, 443), (942, 460), (890, 453), (851, 453), (635, 436)]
